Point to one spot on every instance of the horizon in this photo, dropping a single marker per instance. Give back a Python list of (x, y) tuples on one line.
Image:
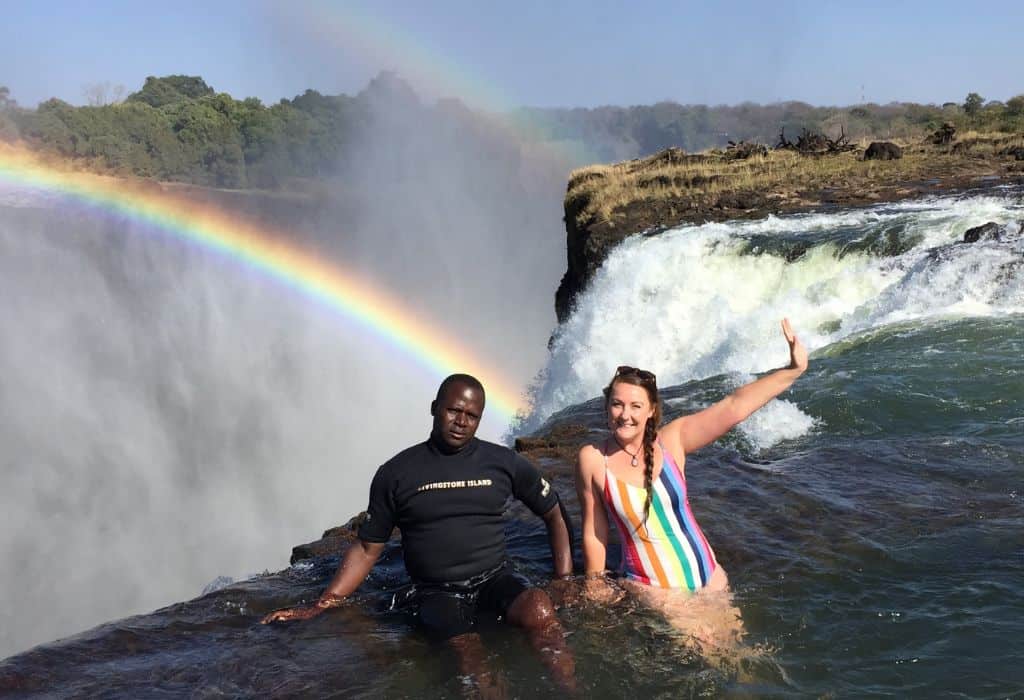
[(128, 90), (521, 57)]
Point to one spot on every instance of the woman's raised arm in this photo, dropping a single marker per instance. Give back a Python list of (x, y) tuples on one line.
[(692, 432)]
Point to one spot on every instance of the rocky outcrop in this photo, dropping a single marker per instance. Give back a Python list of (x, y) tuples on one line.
[(990, 231), (883, 150), (606, 204), (562, 442), (333, 542), (586, 246)]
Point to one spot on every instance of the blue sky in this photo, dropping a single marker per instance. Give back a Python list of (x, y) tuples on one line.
[(570, 53)]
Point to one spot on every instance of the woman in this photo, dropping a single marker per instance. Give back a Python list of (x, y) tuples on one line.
[(636, 479)]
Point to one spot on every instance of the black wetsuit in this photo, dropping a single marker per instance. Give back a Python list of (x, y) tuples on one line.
[(450, 508)]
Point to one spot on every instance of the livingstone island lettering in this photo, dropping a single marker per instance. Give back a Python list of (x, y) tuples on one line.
[(465, 483)]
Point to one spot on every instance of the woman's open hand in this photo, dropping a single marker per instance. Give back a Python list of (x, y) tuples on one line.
[(797, 351), (599, 590)]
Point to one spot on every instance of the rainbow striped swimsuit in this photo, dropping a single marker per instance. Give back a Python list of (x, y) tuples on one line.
[(670, 551)]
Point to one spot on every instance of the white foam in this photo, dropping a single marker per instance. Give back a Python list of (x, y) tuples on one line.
[(690, 304), (779, 420)]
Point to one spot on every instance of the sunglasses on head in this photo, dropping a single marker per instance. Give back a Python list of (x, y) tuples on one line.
[(641, 373)]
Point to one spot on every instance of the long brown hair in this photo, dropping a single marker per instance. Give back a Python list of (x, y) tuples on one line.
[(647, 381)]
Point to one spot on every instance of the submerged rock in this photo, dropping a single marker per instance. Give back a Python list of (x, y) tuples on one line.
[(990, 231)]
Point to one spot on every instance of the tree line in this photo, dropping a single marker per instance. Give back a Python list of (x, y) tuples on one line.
[(179, 128)]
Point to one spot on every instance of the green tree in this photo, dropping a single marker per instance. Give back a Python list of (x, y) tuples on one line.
[(8, 129), (1015, 106), (973, 103), (210, 141), (160, 92)]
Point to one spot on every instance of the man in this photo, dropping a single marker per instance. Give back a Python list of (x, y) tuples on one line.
[(447, 497)]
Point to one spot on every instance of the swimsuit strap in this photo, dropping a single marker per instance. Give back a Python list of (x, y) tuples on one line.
[(665, 456), (604, 453)]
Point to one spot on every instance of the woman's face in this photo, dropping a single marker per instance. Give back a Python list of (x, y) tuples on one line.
[(629, 409)]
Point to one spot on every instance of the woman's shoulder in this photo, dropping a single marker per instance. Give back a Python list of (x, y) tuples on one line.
[(669, 444), (590, 455)]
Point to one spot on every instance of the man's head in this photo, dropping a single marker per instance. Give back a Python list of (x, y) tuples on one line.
[(457, 410)]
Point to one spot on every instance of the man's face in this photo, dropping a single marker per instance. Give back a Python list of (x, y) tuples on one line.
[(457, 415)]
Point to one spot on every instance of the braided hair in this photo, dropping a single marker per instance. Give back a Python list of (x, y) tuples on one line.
[(648, 382)]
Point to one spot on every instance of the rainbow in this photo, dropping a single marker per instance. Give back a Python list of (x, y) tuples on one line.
[(354, 33), (268, 251), (382, 45)]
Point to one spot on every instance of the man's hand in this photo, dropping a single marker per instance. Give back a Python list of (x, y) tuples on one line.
[(302, 612)]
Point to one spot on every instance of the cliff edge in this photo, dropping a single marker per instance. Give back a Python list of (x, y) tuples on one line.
[(605, 204)]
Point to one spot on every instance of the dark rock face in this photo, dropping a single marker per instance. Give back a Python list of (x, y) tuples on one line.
[(741, 200), (562, 442), (586, 246), (883, 150), (986, 232), (334, 541)]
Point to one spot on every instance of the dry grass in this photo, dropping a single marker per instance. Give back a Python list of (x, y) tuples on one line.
[(696, 181)]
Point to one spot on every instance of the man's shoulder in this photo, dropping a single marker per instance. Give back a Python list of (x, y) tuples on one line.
[(410, 455), (492, 451)]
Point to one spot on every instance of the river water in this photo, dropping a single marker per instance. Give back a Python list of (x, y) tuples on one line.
[(871, 520)]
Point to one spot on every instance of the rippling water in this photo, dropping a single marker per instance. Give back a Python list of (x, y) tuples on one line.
[(872, 523)]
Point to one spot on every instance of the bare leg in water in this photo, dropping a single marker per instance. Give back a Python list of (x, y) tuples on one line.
[(472, 659), (707, 619), (534, 612)]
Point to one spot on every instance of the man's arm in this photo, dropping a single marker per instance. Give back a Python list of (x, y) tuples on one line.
[(355, 567), (559, 539)]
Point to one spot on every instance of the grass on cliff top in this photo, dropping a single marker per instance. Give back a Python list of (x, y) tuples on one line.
[(696, 181)]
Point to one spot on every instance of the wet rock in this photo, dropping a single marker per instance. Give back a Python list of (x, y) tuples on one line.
[(331, 543), (883, 150), (561, 442), (986, 232)]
